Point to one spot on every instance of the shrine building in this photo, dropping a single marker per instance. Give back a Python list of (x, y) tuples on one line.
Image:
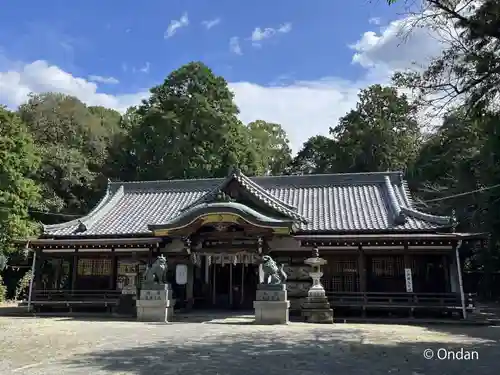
[(382, 252)]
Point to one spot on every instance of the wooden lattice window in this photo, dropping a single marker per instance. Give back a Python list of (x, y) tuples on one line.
[(342, 275), (391, 266), (94, 267)]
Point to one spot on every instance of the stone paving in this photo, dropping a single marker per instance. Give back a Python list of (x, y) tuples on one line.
[(235, 346)]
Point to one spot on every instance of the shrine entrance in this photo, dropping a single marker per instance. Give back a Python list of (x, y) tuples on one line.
[(233, 286), (229, 282)]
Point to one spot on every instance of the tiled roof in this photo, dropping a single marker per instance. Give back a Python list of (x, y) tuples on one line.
[(335, 203)]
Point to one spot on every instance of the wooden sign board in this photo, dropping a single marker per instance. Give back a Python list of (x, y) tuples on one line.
[(181, 274), (409, 280)]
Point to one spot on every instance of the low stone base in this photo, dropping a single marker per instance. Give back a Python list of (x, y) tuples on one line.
[(269, 292), (155, 311), (317, 310), (271, 312), (155, 304)]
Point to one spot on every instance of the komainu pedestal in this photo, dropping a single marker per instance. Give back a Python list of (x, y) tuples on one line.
[(155, 303), (271, 304)]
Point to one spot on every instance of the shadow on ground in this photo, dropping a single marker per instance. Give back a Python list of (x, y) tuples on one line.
[(340, 352)]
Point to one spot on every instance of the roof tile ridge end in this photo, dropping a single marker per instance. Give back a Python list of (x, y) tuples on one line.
[(398, 214), (90, 219), (201, 199), (287, 209), (107, 196), (263, 191), (441, 220)]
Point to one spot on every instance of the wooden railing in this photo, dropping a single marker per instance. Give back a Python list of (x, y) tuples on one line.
[(66, 298), (445, 302)]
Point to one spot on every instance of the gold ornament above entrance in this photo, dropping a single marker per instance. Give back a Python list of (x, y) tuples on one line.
[(220, 221)]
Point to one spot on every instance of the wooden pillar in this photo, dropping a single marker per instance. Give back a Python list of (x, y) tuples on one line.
[(362, 269), (74, 271), (213, 283), (38, 269), (32, 280), (190, 286), (242, 294), (446, 271), (231, 284), (150, 256), (114, 270)]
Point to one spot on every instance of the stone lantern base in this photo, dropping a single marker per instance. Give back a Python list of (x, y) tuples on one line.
[(317, 310)]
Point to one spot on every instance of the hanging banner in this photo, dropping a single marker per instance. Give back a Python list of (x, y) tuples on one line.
[(409, 280), (181, 272), (243, 258)]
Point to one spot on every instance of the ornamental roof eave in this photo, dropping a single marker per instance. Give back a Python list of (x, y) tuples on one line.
[(227, 211), (256, 191)]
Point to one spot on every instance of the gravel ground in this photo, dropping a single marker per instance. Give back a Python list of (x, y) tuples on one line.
[(237, 347)]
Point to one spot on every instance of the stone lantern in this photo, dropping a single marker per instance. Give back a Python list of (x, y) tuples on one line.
[(316, 308)]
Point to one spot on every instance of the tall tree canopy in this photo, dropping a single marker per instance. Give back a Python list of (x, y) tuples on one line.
[(270, 141), (73, 142), (316, 156), (381, 134), (18, 192), (188, 128)]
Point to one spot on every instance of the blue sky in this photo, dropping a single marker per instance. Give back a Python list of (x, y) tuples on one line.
[(123, 47)]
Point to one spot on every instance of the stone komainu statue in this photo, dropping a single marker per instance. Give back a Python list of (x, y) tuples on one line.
[(156, 273), (273, 275)]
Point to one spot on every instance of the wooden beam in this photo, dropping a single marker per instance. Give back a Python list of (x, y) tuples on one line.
[(75, 271), (114, 270), (362, 269), (96, 242)]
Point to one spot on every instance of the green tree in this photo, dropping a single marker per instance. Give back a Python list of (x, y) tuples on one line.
[(73, 142), (468, 69), (18, 191), (381, 134), (270, 141), (316, 156), (187, 129)]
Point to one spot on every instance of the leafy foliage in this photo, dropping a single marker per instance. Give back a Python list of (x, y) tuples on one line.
[(3, 290), (316, 156), (380, 134), (18, 192), (468, 70), (23, 285), (73, 141), (271, 144), (187, 129)]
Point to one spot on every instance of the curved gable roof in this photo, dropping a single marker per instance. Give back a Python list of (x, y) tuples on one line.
[(333, 203)]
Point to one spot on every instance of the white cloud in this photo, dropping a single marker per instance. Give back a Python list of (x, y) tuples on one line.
[(176, 25), (211, 23), (259, 34), (39, 76), (398, 45), (145, 68), (375, 21), (105, 80), (234, 45), (304, 109), (285, 28)]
